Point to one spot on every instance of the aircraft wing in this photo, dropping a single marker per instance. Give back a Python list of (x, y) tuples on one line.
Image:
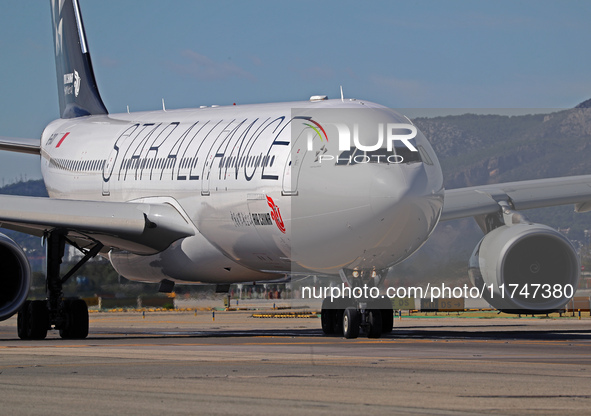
[(135, 227), (13, 144), (522, 195)]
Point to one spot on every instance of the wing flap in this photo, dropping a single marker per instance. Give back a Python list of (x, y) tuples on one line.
[(539, 193), (137, 227)]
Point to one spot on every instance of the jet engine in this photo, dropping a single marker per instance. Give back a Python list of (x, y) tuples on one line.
[(15, 277), (525, 268)]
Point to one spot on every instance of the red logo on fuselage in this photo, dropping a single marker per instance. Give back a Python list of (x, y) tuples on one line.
[(276, 215), (62, 140)]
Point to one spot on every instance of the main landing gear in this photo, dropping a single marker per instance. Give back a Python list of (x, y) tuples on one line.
[(347, 316), (69, 316)]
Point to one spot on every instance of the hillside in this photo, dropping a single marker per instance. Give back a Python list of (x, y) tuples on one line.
[(481, 149), (484, 149), (29, 188)]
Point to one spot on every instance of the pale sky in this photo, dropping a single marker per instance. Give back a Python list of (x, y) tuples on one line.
[(411, 54)]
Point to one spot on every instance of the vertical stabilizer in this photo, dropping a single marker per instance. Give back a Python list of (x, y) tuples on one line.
[(77, 89)]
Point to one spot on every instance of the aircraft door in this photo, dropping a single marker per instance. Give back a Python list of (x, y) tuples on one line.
[(216, 156), (267, 219), (107, 172), (111, 160), (293, 165)]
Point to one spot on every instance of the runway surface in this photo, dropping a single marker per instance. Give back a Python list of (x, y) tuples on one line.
[(178, 363)]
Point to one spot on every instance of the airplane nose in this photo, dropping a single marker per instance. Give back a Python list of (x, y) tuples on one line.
[(387, 188), (403, 202), (396, 184), (366, 216)]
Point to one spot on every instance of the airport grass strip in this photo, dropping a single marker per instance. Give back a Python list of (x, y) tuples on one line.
[(285, 315)]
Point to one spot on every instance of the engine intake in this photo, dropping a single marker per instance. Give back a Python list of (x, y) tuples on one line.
[(525, 268), (16, 277)]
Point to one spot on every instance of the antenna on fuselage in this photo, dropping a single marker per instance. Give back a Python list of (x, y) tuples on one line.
[(163, 106), (342, 96)]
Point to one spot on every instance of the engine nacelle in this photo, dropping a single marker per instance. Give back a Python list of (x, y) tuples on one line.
[(15, 277), (525, 268)]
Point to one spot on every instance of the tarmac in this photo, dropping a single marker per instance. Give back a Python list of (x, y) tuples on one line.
[(188, 363)]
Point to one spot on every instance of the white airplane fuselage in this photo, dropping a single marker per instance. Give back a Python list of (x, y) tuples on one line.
[(260, 201)]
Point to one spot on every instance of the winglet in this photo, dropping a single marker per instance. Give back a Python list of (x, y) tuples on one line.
[(77, 89)]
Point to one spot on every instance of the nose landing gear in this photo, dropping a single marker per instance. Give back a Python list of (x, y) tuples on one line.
[(348, 315)]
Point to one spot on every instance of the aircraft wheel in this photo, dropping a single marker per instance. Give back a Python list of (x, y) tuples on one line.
[(331, 316), (374, 317), (385, 306), (37, 320), (332, 321), (351, 321), (76, 319), (338, 321), (22, 320), (387, 321), (327, 319)]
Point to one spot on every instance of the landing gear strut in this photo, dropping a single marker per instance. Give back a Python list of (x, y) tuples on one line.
[(69, 316), (347, 316)]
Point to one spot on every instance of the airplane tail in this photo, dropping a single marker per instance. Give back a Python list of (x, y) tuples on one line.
[(77, 89)]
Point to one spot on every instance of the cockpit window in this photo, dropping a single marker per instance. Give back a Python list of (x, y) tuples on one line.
[(350, 157), (407, 155), (382, 156), (400, 155), (424, 155)]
